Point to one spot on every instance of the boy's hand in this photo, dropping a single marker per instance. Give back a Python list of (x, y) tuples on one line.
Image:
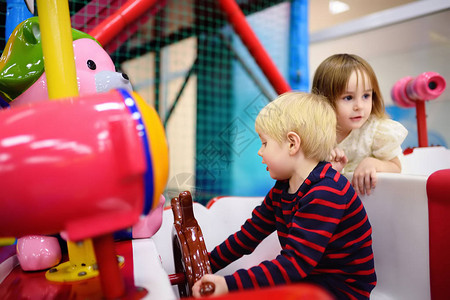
[(365, 176), (219, 282), (338, 159)]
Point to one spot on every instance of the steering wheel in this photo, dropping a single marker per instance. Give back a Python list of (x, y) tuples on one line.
[(189, 250)]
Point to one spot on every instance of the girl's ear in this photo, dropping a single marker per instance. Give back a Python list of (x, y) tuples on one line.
[(294, 142)]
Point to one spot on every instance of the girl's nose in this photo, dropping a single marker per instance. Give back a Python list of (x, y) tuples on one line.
[(357, 104)]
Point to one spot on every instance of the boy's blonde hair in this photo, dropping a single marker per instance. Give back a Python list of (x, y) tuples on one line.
[(308, 115), (332, 75)]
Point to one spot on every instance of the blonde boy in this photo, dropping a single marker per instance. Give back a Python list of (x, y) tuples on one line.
[(321, 223)]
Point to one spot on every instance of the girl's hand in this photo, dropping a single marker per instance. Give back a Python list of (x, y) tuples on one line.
[(338, 159), (221, 286), (365, 176)]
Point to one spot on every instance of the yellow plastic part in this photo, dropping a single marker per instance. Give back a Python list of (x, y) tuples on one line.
[(82, 264), (60, 70), (158, 146), (7, 241), (57, 47)]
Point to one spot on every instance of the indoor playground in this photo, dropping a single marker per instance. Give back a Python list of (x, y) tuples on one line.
[(128, 148)]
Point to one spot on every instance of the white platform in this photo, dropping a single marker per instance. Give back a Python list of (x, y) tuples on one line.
[(397, 210)]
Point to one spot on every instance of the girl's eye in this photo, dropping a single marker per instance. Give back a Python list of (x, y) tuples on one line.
[(348, 98), (367, 96)]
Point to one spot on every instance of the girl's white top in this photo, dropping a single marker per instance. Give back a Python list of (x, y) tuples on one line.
[(379, 138)]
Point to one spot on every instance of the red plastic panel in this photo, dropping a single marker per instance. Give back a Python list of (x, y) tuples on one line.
[(438, 191)]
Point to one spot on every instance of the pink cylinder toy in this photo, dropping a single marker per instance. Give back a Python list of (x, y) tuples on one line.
[(79, 165), (413, 92), (426, 86)]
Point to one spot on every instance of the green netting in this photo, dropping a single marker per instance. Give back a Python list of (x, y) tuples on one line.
[(178, 58)]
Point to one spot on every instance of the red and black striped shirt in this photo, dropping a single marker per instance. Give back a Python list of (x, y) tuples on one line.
[(324, 232)]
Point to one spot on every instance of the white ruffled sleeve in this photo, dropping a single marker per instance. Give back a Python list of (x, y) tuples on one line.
[(388, 138)]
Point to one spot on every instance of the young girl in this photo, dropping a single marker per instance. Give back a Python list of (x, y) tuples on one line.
[(322, 226), (368, 141)]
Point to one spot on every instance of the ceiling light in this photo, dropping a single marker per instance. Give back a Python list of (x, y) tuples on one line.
[(337, 7)]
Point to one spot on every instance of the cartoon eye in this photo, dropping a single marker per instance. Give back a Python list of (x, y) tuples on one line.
[(91, 65)]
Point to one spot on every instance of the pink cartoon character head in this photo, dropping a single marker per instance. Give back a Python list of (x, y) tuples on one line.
[(22, 74)]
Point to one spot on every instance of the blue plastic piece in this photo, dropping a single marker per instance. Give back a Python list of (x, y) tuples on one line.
[(16, 12), (3, 104), (148, 177), (299, 44)]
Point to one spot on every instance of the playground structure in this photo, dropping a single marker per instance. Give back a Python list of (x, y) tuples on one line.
[(390, 190)]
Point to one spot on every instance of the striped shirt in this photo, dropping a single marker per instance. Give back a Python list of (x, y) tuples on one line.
[(324, 232)]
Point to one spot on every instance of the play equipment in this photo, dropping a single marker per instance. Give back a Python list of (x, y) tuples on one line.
[(132, 10), (23, 81), (36, 252), (124, 201), (104, 146), (189, 250), (96, 163), (237, 19), (23, 78), (16, 12), (109, 28), (414, 92), (132, 182)]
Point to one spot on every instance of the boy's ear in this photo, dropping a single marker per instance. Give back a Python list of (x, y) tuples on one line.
[(294, 142)]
